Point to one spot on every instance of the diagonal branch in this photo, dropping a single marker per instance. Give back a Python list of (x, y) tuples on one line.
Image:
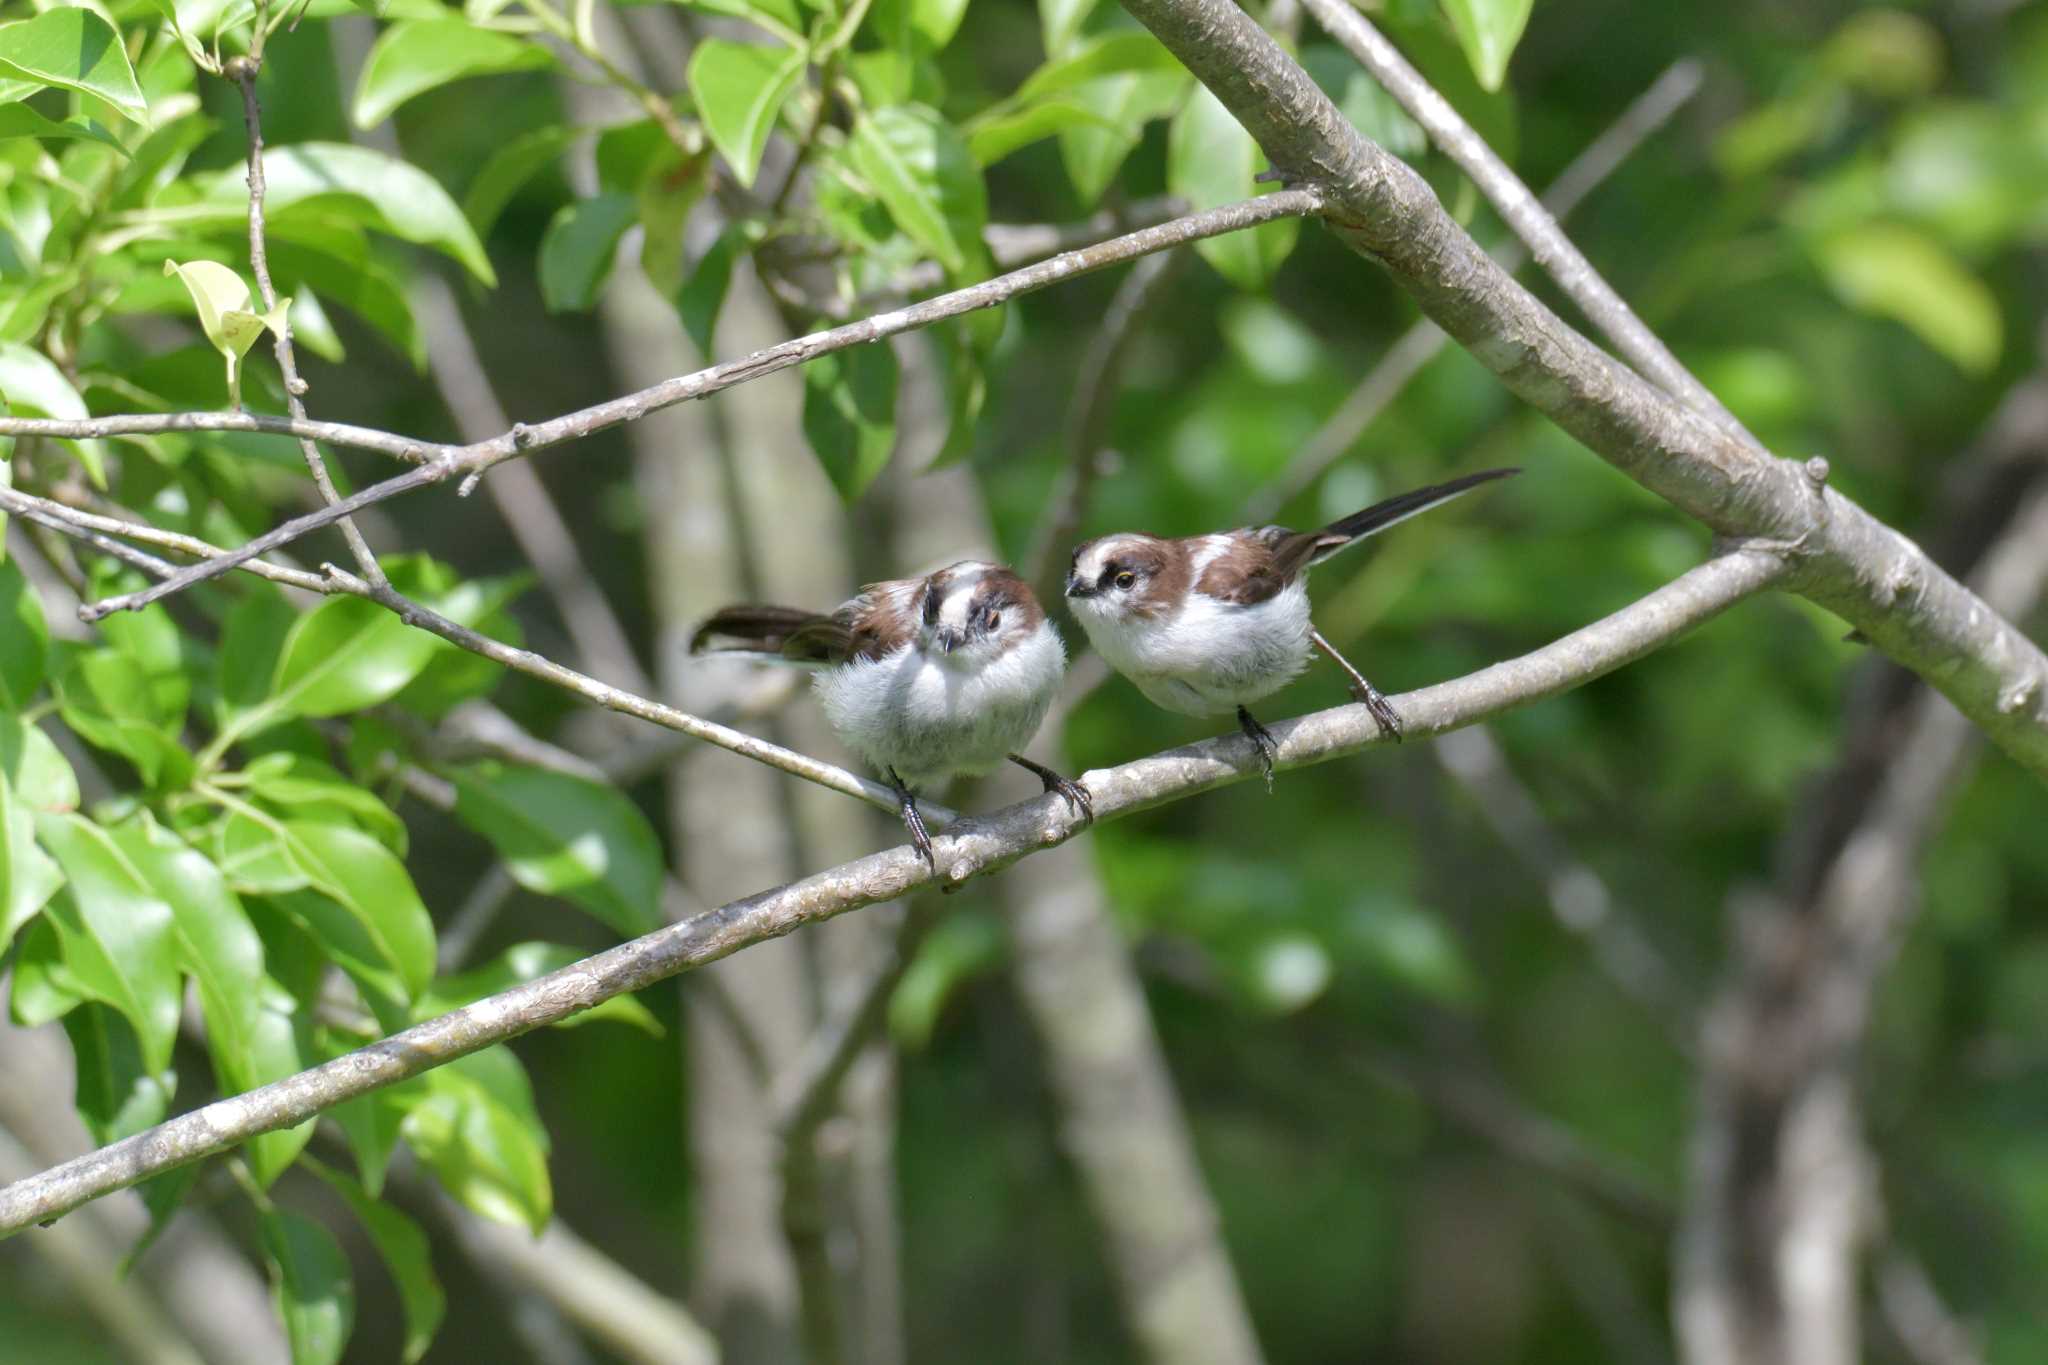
[(470, 461), (1530, 219), (1845, 559), (242, 70), (969, 848)]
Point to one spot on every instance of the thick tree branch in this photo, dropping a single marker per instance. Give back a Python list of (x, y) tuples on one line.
[(470, 461), (1530, 220), (1846, 560), (1419, 345), (972, 847)]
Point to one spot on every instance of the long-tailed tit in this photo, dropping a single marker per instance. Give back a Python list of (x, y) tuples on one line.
[(925, 678), (1204, 624)]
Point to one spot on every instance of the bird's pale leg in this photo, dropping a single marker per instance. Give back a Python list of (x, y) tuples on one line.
[(1072, 792), (1262, 739), (906, 806), (1375, 700)]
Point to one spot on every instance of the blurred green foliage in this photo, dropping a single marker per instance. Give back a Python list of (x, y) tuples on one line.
[(1841, 235)]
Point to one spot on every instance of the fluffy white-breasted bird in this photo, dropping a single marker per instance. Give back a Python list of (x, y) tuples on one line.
[(1208, 624), (925, 678)]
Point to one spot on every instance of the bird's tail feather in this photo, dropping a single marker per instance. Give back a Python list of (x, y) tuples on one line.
[(785, 634), (1345, 532)]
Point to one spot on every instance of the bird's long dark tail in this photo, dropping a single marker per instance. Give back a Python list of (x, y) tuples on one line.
[(789, 634), (1345, 532)]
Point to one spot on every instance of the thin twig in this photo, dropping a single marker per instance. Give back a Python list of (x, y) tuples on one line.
[(802, 1098), (1520, 209), (242, 70), (1417, 346), (472, 460), (970, 848)]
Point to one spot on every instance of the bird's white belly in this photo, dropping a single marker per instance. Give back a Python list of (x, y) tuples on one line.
[(1213, 657), (911, 713)]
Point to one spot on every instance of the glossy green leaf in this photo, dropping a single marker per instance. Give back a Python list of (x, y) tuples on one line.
[(1488, 31), (990, 140), (310, 1284), (248, 1018), (40, 774), (783, 18), (251, 640), (1210, 161), (567, 836), (850, 414), (477, 1130), (76, 49), (578, 249), (118, 1094), (33, 387), (250, 852), (28, 878), (298, 786), (346, 654), (936, 21), (1124, 104), (1902, 273), (509, 168), (105, 696), (1060, 23), (152, 639), (523, 962), (921, 170), (417, 55), (369, 187), (377, 920), (1131, 52), (43, 989), (200, 23), (739, 89), (225, 315), (703, 295), (24, 638), (406, 1254), (18, 120), (118, 936)]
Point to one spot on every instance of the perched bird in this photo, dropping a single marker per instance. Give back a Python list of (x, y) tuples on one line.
[(1203, 624), (924, 678)]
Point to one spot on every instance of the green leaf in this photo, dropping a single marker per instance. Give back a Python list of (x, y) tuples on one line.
[(1061, 21), (250, 852), (966, 385), (371, 1125), (248, 1017), (307, 787), (577, 251), (32, 386), (990, 140), (1488, 31), (374, 189), (1210, 161), (117, 1093), (24, 638), (407, 1256), (373, 920), (346, 654), (510, 167), (703, 295), (739, 89), (1901, 273), (118, 936), (199, 24), (780, 17), (27, 876), (1363, 100), (524, 962), (29, 759), (477, 1130), (567, 836), (936, 21), (107, 698), (1124, 104), (310, 1284), (416, 55), (151, 639), (225, 315), (44, 988), (18, 120), (921, 170), (1129, 52), (76, 49), (850, 414), (251, 640)]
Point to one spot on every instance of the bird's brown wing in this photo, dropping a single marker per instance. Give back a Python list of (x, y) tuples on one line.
[(789, 633), (1250, 569)]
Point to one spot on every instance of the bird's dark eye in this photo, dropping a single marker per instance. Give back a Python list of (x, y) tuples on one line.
[(995, 620), (1126, 579)]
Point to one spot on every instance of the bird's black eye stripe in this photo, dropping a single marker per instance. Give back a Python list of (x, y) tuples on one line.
[(931, 607)]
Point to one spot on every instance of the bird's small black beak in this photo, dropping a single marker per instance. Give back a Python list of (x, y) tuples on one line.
[(1079, 587), (949, 639)]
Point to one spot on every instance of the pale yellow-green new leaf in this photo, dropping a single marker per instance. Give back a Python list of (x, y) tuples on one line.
[(225, 315)]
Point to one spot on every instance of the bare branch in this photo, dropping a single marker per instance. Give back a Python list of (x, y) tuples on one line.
[(803, 1097), (472, 460), (1529, 220), (1417, 346), (242, 70), (1847, 560), (970, 848)]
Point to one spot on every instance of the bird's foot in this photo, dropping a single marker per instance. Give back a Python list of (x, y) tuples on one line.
[(1073, 793), (1262, 739), (1382, 710), (920, 837)]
